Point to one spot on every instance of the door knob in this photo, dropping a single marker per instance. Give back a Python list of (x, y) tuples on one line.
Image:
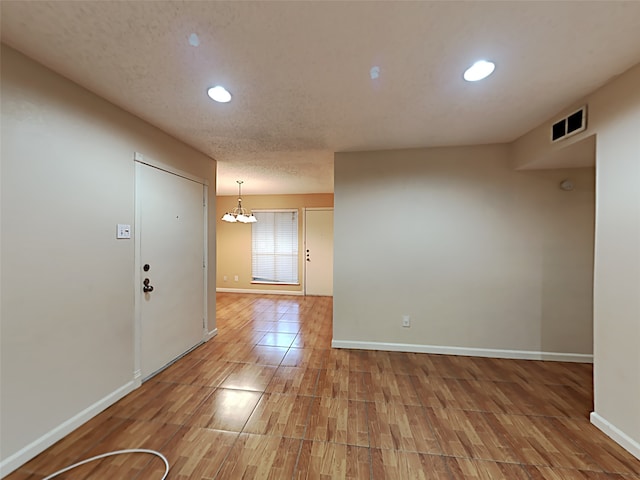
[(146, 287)]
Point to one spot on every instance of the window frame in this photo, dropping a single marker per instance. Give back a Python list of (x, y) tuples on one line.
[(297, 246)]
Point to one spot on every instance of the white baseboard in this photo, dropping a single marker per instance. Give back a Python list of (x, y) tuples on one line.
[(259, 292), (137, 378), (25, 454), (209, 335), (617, 435), (472, 352)]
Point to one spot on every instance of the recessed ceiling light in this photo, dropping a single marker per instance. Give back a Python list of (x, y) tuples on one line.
[(219, 94), (479, 70)]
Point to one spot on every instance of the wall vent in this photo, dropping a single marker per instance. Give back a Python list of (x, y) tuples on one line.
[(570, 125)]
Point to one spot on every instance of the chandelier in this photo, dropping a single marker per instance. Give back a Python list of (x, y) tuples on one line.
[(239, 214)]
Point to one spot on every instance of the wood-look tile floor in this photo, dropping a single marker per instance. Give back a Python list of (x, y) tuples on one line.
[(269, 399)]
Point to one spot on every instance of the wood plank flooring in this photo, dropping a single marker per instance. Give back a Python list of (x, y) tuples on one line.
[(269, 399)]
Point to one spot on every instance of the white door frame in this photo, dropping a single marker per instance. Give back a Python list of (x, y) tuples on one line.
[(140, 160), (304, 241)]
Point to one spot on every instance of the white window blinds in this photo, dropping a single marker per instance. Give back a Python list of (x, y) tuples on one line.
[(274, 250)]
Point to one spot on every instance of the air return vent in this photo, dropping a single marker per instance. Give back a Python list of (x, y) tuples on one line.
[(574, 123)]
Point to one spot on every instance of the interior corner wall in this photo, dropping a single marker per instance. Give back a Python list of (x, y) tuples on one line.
[(614, 121), (234, 240), (484, 259), (67, 292)]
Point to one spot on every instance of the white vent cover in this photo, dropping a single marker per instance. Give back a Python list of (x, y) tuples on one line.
[(570, 125)]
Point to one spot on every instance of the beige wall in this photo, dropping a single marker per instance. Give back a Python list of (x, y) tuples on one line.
[(614, 122), (234, 240), (67, 283), (479, 255), (617, 261)]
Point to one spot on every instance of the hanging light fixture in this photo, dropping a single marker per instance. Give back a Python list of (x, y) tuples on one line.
[(239, 214)]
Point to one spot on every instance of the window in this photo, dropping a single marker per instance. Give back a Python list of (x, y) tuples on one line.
[(274, 246)]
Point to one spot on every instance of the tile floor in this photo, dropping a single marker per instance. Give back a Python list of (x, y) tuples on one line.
[(269, 399)]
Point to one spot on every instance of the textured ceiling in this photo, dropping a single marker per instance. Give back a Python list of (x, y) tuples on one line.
[(300, 72)]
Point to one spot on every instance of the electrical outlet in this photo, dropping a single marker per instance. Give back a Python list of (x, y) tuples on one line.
[(235, 278), (224, 279), (406, 321)]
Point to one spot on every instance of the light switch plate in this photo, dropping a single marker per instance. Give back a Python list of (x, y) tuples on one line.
[(124, 231)]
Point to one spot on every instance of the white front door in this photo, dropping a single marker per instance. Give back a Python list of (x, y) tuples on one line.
[(318, 252), (171, 230)]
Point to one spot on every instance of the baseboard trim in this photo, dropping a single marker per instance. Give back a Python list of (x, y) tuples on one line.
[(25, 454), (209, 335), (617, 435), (259, 292), (137, 378), (472, 352)]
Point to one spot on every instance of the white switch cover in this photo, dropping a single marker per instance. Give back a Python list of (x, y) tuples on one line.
[(124, 231)]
